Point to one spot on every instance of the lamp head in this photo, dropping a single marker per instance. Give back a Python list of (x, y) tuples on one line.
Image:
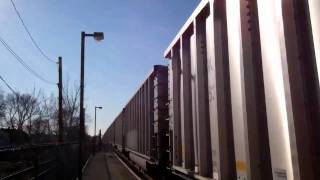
[(99, 107), (98, 36)]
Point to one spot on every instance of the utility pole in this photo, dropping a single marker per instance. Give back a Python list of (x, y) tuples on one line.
[(94, 136), (100, 141), (81, 130), (60, 101)]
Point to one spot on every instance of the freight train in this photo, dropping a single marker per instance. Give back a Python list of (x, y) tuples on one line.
[(240, 98), (140, 131)]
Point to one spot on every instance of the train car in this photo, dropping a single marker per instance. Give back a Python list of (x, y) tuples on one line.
[(140, 130), (244, 91), (109, 136), (118, 132)]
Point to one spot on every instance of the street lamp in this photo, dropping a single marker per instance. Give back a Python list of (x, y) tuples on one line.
[(97, 36), (95, 125)]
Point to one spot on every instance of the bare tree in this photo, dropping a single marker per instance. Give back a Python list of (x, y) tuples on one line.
[(11, 102), (71, 111), (49, 114), (43, 128), (30, 108), (2, 109), (20, 109), (37, 114), (71, 105)]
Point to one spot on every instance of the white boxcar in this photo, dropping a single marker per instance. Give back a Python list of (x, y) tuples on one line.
[(244, 91)]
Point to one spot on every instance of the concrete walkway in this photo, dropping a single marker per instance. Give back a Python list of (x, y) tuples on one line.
[(106, 166)]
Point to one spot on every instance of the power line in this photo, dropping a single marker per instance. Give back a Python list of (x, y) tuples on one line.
[(7, 84), (23, 63), (31, 37)]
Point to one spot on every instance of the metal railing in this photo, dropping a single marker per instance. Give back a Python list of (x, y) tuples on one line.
[(45, 161)]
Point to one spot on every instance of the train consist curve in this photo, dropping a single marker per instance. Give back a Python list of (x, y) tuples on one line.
[(239, 100)]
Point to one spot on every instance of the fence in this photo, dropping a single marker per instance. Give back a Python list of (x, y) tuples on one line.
[(47, 161)]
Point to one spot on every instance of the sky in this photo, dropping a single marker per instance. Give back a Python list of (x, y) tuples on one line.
[(136, 34)]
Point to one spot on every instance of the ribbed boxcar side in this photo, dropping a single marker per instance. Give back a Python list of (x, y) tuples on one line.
[(146, 139), (141, 129), (109, 135), (190, 113), (118, 128), (292, 87), (244, 83), (160, 112)]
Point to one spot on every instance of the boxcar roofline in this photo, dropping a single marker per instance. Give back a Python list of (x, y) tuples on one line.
[(195, 13), (149, 74)]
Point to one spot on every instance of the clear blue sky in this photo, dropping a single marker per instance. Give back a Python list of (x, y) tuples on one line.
[(136, 34)]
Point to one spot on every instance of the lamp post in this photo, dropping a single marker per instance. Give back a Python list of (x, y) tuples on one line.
[(95, 126), (97, 36)]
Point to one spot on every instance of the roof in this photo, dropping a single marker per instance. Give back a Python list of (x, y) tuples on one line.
[(202, 4)]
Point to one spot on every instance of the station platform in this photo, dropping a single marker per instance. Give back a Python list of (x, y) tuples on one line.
[(107, 166)]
